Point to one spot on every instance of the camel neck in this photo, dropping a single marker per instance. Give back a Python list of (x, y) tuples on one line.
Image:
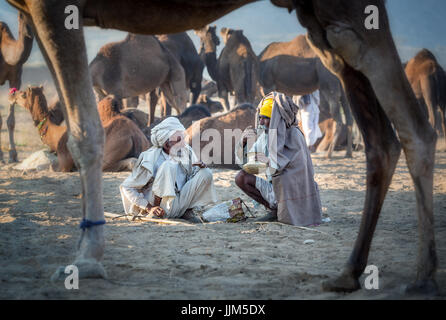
[(16, 51)]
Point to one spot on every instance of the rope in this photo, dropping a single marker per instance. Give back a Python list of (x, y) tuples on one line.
[(85, 224)]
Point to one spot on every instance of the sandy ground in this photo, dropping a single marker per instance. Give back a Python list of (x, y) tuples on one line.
[(40, 214)]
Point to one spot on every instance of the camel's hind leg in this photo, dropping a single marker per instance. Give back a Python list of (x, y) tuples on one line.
[(69, 67), (373, 54), (382, 152)]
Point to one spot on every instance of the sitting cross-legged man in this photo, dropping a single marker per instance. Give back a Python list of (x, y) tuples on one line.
[(290, 192), (167, 180)]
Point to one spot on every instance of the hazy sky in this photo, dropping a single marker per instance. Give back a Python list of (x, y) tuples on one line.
[(415, 24)]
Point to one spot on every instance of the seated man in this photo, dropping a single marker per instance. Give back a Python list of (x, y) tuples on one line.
[(290, 192), (167, 179)]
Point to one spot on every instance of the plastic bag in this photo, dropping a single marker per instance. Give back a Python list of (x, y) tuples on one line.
[(228, 211)]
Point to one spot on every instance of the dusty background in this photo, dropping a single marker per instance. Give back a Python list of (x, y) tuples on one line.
[(40, 214)]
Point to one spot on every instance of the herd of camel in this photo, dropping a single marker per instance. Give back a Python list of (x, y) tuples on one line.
[(338, 56)]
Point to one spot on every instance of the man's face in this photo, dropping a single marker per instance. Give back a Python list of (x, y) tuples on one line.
[(175, 143), (264, 121)]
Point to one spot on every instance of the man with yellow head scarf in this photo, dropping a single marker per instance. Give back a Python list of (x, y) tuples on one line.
[(289, 192)]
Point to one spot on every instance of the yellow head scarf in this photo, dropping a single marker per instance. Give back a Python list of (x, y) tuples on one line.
[(267, 108)]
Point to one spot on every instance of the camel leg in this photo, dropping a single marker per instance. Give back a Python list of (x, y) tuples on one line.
[(151, 100), (1, 152), (11, 126), (380, 77), (69, 67), (382, 152), (349, 122), (224, 100), (337, 126), (427, 86), (443, 122)]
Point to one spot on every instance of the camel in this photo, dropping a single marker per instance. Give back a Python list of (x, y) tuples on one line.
[(139, 64), (123, 144), (182, 47), (213, 153), (211, 105), (236, 70), (192, 113), (13, 54), (428, 81), (365, 61), (293, 69)]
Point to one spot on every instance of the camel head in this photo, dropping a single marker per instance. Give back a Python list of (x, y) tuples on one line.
[(208, 37), (33, 100), (227, 33)]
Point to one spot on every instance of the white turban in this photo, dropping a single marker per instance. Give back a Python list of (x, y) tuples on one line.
[(164, 130)]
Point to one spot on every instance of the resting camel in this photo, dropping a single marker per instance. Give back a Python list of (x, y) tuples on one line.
[(139, 64), (13, 54), (365, 61), (293, 69), (123, 143), (215, 153), (428, 81), (236, 70)]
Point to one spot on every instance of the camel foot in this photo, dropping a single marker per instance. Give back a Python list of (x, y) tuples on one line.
[(344, 283), (88, 269), (423, 287), (13, 156), (348, 156)]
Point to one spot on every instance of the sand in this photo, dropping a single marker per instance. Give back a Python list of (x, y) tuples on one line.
[(40, 215)]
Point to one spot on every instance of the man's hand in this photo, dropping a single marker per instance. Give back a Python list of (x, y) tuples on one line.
[(200, 164), (155, 210), (250, 134), (262, 158)]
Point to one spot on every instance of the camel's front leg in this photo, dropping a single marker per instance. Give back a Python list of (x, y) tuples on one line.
[(11, 126), (65, 53)]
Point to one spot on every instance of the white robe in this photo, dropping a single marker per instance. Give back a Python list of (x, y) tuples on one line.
[(180, 185), (309, 115)]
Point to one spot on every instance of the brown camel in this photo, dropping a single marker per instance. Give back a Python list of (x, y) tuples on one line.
[(366, 62), (227, 128), (138, 65), (236, 70), (428, 81), (13, 54), (123, 143), (293, 69)]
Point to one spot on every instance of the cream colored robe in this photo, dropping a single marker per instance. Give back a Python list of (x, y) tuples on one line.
[(180, 185)]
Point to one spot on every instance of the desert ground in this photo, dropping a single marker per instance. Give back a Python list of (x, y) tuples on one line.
[(39, 230)]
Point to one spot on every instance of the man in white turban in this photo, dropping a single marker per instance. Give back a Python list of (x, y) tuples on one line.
[(167, 179)]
